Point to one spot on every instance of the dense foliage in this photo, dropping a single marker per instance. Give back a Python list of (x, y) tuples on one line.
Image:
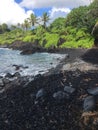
[(73, 31)]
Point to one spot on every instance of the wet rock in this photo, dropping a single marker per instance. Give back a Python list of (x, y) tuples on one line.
[(41, 93), (12, 79), (8, 75), (69, 89), (2, 90), (28, 51), (89, 103), (32, 50), (41, 71), (17, 74), (60, 95), (6, 80), (1, 83), (1, 77), (17, 67), (25, 67), (93, 91), (37, 76)]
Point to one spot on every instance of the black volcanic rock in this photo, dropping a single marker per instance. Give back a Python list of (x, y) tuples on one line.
[(60, 95), (69, 89), (20, 45), (93, 91), (1, 82), (89, 103), (40, 94), (8, 75), (55, 110), (32, 50)]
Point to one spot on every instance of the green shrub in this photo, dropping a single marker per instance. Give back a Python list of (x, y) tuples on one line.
[(28, 38), (83, 43), (51, 39)]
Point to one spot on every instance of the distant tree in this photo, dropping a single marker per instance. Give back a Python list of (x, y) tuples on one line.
[(0, 28), (76, 18), (18, 25), (58, 24), (22, 26), (26, 24), (45, 19), (4, 27), (13, 27)]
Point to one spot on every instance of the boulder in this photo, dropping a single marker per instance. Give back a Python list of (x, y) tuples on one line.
[(17, 74), (8, 75), (93, 91), (89, 103), (60, 95), (69, 89), (40, 94), (17, 67)]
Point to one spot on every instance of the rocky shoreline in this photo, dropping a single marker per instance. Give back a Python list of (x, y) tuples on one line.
[(58, 102), (29, 48), (65, 98)]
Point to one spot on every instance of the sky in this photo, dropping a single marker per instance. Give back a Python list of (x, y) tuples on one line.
[(16, 11)]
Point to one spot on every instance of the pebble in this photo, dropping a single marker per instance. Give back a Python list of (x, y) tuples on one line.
[(69, 89), (93, 91), (60, 95), (40, 93), (89, 103)]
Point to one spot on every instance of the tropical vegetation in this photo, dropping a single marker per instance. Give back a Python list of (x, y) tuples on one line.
[(78, 29)]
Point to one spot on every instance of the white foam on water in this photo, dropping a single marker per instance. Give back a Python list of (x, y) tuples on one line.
[(29, 64)]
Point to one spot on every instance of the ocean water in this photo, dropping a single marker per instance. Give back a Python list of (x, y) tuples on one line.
[(30, 64)]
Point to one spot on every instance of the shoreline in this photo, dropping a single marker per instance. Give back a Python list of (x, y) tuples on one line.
[(27, 48), (54, 100), (44, 103)]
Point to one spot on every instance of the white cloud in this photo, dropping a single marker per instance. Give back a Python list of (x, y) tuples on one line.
[(58, 12), (60, 8), (53, 3), (12, 13)]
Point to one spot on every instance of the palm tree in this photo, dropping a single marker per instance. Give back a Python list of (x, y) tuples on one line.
[(26, 24), (45, 19), (33, 19)]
